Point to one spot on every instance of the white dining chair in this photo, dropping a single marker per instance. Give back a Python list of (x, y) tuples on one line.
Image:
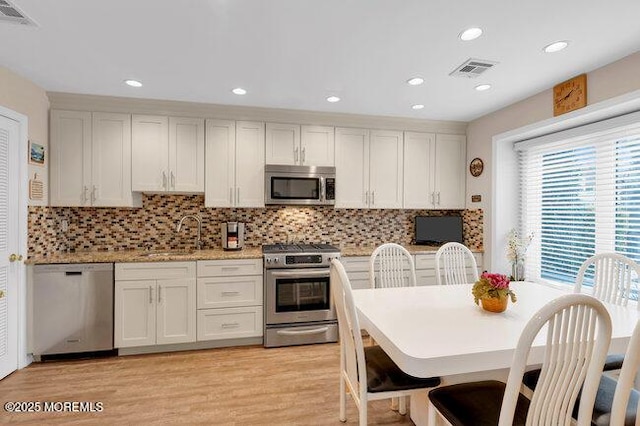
[(613, 277), (578, 333), (367, 372), (625, 395), (391, 265), (452, 261)]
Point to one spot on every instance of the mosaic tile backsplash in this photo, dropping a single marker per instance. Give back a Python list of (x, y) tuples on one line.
[(154, 225)]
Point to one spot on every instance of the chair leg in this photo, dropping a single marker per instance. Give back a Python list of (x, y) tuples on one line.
[(363, 412), (343, 400), (431, 415), (394, 403), (402, 405)]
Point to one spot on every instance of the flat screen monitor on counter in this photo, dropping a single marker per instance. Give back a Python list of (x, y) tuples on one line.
[(438, 229)]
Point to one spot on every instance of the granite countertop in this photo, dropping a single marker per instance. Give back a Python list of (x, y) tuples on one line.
[(192, 255), (147, 256)]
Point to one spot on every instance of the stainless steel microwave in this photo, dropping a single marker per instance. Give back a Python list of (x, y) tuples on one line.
[(299, 185)]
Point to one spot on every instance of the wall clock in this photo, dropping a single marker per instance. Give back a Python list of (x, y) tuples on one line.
[(570, 95), (476, 167)]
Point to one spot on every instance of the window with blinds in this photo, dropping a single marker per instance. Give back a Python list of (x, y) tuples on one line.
[(580, 196)]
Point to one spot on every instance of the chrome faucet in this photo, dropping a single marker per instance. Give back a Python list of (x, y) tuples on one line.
[(197, 219)]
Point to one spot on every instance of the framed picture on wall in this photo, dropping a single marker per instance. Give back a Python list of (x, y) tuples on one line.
[(36, 153)]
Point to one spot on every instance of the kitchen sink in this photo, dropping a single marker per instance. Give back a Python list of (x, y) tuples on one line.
[(168, 253)]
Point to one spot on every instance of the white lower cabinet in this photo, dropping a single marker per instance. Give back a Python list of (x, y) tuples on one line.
[(155, 303), (426, 268), (229, 299)]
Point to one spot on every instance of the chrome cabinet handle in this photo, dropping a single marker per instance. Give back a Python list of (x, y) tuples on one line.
[(84, 194), (230, 325), (173, 181), (150, 294), (295, 154), (230, 293), (373, 197), (433, 200), (304, 155), (237, 196), (438, 197), (159, 294), (366, 198), (164, 180), (94, 195)]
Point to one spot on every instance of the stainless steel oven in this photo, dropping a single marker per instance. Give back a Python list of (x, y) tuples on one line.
[(299, 185), (298, 306)]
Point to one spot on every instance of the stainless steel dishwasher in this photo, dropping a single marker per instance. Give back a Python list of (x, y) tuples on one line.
[(72, 308)]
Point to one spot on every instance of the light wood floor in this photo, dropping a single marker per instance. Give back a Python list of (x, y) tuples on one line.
[(230, 386)]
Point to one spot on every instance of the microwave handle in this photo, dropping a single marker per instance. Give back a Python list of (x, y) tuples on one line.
[(323, 189)]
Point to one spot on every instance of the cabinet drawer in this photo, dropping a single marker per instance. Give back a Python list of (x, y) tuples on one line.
[(229, 323), (227, 292), (425, 261), (226, 268), (155, 270), (352, 264), (359, 280)]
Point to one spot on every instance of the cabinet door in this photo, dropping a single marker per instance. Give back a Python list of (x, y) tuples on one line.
[(249, 164), (150, 153), (70, 151), (282, 144), (352, 168), (317, 146), (220, 163), (111, 160), (385, 170), (450, 171), (135, 313), (419, 149), (186, 154), (176, 312)]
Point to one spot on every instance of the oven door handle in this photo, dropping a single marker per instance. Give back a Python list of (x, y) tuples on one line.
[(318, 330), (300, 274)]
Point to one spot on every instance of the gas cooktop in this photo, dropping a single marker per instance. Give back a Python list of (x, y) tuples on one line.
[(299, 248)]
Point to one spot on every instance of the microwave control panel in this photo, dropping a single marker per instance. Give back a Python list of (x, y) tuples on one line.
[(330, 189)]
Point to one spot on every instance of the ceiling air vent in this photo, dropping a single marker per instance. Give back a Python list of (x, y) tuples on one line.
[(472, 68), (10, 13)]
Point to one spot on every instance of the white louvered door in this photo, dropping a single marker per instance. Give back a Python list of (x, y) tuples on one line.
[(9, 183)]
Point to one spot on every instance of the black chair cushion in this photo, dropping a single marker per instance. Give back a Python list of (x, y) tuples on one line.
[(613, 362), (604, 401), (383, 375), (476, 403)]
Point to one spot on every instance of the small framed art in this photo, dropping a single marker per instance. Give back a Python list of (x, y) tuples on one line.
[(37, 153)]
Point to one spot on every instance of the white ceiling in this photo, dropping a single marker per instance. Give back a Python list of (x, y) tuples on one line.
[(294, 53)]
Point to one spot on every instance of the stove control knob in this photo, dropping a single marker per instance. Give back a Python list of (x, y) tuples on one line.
[(267, 260), (276, 260)]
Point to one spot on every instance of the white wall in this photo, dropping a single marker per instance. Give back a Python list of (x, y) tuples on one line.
[(23, 96), (612, 80)]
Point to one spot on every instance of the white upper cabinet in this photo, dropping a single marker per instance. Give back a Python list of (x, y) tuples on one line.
[(168, 154), (352, 168), (450, 171), (385, 169), (368, 168), (235, 155), (317, 146), (292, 144), (434, 171), (91, 160)]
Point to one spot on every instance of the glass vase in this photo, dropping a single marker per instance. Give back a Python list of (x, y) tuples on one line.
[(517, 270)]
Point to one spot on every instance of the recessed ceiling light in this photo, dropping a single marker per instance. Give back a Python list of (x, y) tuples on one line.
[(133, 83), (556, 46), (470, 34), (239, 91), (333, 99), (417, 106), (483, 87), (415, 81)]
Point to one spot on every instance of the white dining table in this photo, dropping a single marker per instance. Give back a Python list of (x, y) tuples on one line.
[(438, 330)]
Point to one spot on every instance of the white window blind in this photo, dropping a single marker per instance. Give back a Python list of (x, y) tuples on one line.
[(580, 196)]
